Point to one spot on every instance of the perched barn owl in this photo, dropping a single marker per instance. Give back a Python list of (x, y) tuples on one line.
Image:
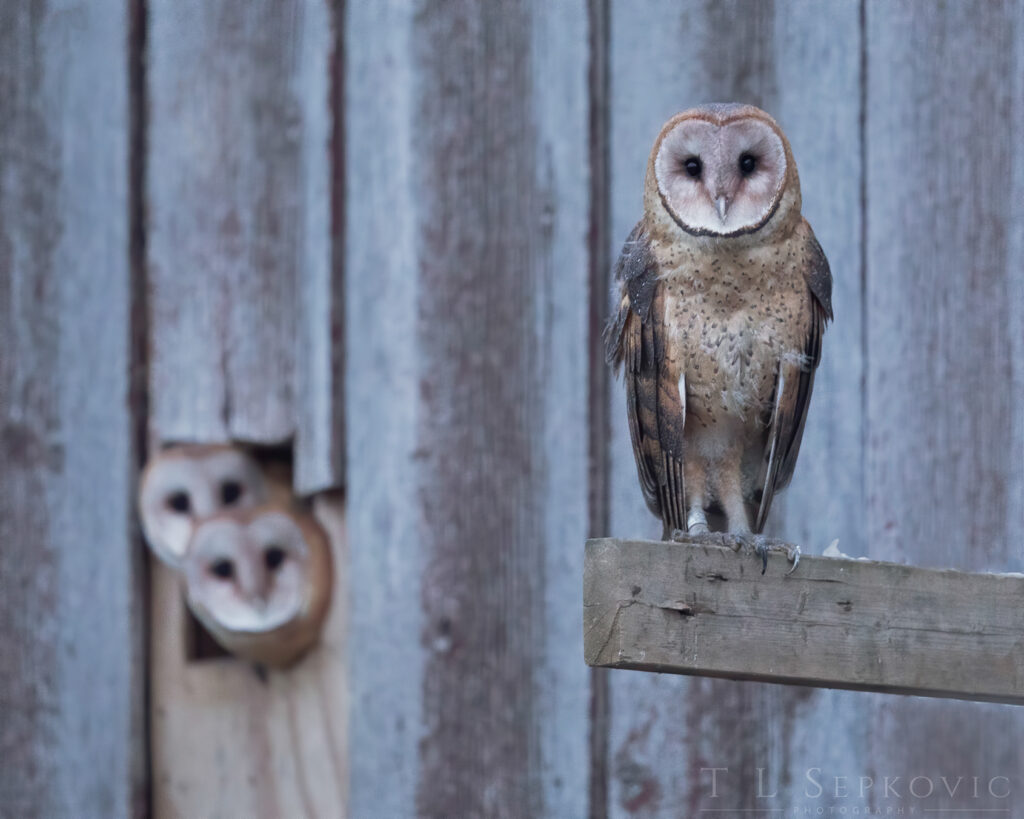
[(723, 294), (260, 580), (187, 483)]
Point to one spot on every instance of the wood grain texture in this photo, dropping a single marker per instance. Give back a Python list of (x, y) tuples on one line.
[(381, 394), (239, 228), (228, 743), (72, 735), (467, 299), (707, 610), (320, 355), (945, 275), (245, 345), (800, 61)]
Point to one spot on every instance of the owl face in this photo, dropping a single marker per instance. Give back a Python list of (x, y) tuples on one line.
[(249, 572), (185, 484), (721, 170)]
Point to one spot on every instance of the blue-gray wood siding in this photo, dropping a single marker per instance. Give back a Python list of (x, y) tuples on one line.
[(378, 231)]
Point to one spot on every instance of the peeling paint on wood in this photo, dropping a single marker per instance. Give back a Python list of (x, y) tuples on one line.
[(467, 292), (245, 341), (944, 447), (71, 580), (242, 284)]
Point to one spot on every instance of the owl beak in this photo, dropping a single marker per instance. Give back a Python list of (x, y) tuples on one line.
[(722, 206)]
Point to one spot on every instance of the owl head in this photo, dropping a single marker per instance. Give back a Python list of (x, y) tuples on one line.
[(259, 579), (722, 171), (187, 483)]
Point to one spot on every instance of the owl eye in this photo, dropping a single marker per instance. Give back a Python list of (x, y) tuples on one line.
[(223, 568), (230, 492), (748, 162), (693, 167), (273, 557), (179, 502)]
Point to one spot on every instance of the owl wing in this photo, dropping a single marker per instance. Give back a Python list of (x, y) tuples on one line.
[(635, 340), (794, 383)]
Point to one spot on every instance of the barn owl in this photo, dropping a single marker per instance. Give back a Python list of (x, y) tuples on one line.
[(722, 296), (189, 482), (260, 580)]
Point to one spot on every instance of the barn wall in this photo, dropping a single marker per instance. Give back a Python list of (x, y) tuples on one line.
[(244, 301), (378, 235), (944, 398), (72, 618), (467, 268)]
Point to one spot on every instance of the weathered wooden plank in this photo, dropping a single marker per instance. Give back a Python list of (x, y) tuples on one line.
[(381, 394), (801, 62), (229, 743), (466, 282), (239, 228), (945, 279), (687, 608), (599, 377), (71, 585), (320, 401), (244, 340)]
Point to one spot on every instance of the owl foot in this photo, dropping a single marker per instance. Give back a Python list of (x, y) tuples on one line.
[(759, 544), (763, 545)]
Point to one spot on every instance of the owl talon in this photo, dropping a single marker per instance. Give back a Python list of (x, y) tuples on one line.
[(763, 545), (794, 557), (761, 549)]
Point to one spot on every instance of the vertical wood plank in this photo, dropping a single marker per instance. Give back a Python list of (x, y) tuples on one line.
[(320, 404), (239, 183), (467, 301), (800, 62), (244, 344), (381, 392), (71, 586), (945, 278), (1015, 293), (599, 379), (558, 368)]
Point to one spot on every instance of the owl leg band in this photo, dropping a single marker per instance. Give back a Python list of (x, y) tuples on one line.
[(697, 521)]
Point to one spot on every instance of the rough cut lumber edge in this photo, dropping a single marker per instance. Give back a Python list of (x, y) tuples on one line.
[(687, 608)]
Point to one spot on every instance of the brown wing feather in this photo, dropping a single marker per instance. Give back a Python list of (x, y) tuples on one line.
[(655, 408), (794, 385)]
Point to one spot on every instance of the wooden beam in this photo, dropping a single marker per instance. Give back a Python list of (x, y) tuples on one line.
[(689, 608)]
